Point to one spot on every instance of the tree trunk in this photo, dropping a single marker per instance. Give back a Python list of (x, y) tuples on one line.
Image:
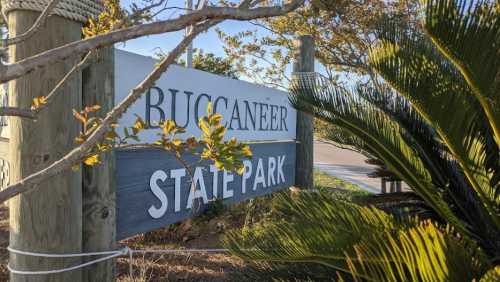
[(49, 218), (99, 211)]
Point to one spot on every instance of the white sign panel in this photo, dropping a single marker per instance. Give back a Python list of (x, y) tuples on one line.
[(251, 112)]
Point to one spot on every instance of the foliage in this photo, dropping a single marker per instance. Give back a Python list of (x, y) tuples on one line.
[(211, 63), (434, 130), (227, 154), (114, 17), (318, 228), (111, 16), (343, 31)]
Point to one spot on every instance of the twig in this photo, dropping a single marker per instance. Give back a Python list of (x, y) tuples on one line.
[(33, 113), (40, 21), (15, 70), (75, 156)]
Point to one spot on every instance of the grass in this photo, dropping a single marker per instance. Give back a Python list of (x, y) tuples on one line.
[(324, 181)]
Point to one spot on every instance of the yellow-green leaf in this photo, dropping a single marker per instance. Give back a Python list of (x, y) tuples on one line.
[(139, 124), (168, 127), (92, 109), (209, 109), (92, 160), (79, 116), (38, 102)]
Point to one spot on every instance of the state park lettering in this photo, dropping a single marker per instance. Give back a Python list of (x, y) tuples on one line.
[(186, 107), (266, 173)]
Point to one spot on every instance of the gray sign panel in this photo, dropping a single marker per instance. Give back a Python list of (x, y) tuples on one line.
[(154, 190)]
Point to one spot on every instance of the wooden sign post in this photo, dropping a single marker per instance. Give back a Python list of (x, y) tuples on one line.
[(98, 191), (304, 64)]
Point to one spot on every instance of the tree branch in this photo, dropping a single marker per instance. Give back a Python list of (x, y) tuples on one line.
[(18, 112), (40, 21), (76, 155), (33, 113), (15, 70)]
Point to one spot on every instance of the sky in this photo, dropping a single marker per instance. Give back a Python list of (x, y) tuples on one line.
[(208, 41)]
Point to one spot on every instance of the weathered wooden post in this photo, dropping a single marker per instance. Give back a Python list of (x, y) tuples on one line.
[(303, 65), (99, 212), (49, 219), (383, 188)]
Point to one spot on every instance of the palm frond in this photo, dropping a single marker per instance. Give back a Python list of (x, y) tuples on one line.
[(363, 242), (468, 33), (381, 134), (444, 170), (441, 96), (492, 275)]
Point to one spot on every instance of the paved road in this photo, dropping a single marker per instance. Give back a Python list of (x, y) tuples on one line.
[(344, 164)]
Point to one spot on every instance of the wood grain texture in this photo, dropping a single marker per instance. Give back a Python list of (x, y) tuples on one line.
[(304, 62), (134, 169), (99, 216), (48, 219)]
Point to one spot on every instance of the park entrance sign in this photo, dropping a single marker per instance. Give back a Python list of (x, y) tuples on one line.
[(153, 189), (251, 112)]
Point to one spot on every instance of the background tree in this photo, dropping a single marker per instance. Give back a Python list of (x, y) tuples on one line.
[(209, 62), (47, 51), (343, 31), (432, 130)]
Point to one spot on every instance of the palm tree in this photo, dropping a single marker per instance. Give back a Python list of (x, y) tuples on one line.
[(437, 127)]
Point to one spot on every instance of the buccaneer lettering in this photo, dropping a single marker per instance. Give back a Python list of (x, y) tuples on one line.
[(239, 114)]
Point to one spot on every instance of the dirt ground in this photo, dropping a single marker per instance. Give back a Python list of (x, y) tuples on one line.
[(4, 242), (170, 267), (185, 266)]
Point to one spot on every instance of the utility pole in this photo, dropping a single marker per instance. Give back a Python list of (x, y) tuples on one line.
[(189, 49), (302, 68)]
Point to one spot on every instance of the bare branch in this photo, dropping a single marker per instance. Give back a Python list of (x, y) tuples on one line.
[(76, 155), (18, 112), (76, 68), (33, 113), (15, 70), (40, 21)]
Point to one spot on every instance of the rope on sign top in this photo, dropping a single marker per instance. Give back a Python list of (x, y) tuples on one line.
[(77, 10)]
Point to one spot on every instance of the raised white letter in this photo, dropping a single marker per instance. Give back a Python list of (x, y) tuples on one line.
[(259, 176), (246, 175), (271, 167), (197, 193), (158, 192), (281, 162), (177, 174), (228, 177), (215, 171)]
